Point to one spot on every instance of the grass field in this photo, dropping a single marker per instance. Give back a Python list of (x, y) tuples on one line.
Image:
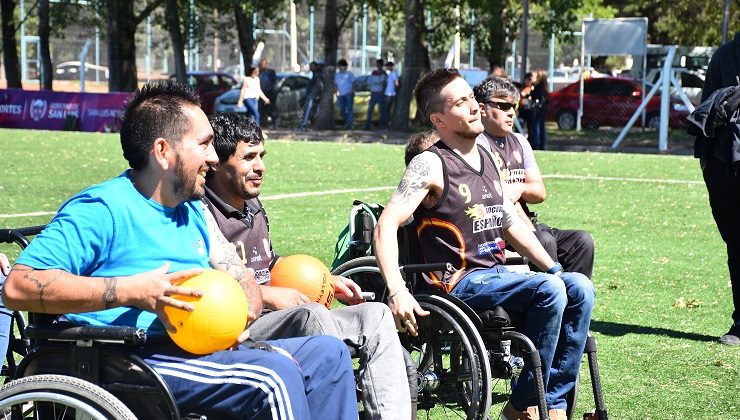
[(663, 292)]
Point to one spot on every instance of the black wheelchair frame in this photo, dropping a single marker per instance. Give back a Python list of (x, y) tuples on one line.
[(79, 369), (452, 340)]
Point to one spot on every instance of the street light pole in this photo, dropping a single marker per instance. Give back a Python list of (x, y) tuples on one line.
[(725, 15), (525, 36)]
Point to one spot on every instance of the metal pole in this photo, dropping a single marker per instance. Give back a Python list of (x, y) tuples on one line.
[(513, 58), (363, 57), (665, 100), (24, 66), (551, 70), (525, 39), (380, 32), (97, 50), (310, 32), (354, 49), (580, 80), (190, 36), (456, 56), (472, 41), (293, 39), (148, 59), (725, 16)]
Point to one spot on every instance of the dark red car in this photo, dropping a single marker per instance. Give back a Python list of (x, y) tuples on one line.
[(609, 101), (209, 86)]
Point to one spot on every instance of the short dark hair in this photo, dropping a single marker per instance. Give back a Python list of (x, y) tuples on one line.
[(155, 110), (230, 128), (379, 62), (342, 62), (389, 63), (429, 87), (418, 143), (495, 87)]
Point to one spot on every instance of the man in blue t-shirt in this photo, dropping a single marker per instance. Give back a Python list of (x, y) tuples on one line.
[(114, 252), (345, 81)]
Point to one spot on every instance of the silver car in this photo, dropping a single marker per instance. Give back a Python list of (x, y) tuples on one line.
[(290, 90)]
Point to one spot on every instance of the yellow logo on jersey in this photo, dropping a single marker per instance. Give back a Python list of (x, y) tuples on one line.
[(477, 212)]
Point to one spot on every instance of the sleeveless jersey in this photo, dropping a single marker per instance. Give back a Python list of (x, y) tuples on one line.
[(508, 155), (465, 226), (248, 229)]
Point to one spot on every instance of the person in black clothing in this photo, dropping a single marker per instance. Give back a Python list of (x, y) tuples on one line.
[(268, 82), (724, 187), (313, 93), (538, 100)]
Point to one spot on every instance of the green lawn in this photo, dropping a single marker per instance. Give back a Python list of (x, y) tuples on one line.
[(662, 286)]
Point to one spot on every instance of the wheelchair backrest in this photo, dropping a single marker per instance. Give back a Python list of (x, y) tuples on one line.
[(356, 239)]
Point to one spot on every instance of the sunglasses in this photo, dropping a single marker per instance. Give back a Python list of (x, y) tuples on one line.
[(504, 106)]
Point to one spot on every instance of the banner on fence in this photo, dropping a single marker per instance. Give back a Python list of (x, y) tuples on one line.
[(47, 110)]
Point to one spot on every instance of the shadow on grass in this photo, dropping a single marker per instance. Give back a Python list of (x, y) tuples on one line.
[(616, 329)]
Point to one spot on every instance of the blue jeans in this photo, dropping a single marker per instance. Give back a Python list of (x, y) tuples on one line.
[(251, 105), (346, 107), (558, 315), (538, 136), (6, 315), (379, 99)]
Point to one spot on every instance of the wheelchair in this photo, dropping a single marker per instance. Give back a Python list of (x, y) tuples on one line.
[(79, 372), (467, 362)]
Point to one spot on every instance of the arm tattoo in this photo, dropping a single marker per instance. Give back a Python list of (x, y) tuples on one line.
[(109, 295), (41, 285), (414, 179)]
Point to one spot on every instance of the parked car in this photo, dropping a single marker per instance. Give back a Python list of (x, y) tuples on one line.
[(70, 70), (209, 86), (608, 101), (691, 81), (291, 88)]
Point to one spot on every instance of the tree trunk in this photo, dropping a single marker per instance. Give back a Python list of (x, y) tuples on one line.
[(47, 70), (325, 113), (10, 48), (331, 33), (415, 62), (121, 46), (172, 16), (496, 35), (244, 32)]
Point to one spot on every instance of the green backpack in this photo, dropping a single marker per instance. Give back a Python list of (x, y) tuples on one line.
[(356, 239)]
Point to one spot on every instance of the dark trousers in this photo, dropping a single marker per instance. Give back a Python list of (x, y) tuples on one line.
[(574, 249), (724, 198)]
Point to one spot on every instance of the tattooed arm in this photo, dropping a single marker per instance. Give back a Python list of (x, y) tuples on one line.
[(57, 291), (420, 185), (224, 257)]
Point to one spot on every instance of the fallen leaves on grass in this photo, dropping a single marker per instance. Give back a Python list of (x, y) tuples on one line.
[(682, 302)]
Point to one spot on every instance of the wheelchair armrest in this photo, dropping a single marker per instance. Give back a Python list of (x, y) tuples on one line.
[(67, 332), (426, 268)]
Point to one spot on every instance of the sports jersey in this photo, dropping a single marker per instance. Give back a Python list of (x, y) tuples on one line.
[(512, 155), (253, 244), (111, 230), (465, 227)]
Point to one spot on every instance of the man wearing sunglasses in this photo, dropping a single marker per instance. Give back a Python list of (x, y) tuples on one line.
[(455, 194), (513, 156)]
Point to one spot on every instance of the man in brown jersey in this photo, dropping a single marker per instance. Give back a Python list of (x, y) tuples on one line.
[(232, 189), (455, 194), (514, 157)]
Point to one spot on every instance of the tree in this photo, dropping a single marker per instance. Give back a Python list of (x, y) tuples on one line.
[(10, 48), (172, 18), (47, 71), (415, 62), (121, 21)]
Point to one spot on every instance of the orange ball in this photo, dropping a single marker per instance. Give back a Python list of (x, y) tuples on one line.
[(218, 317), (306, 274)]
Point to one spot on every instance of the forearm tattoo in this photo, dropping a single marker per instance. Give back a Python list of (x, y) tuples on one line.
[(41, 285), (414, 179), (109, 295)]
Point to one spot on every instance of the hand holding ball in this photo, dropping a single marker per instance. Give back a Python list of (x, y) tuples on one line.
[(218, 317), (305, 274)]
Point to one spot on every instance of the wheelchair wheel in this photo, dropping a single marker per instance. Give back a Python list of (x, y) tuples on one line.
[(365, 272), (454, 374), (59, 397)]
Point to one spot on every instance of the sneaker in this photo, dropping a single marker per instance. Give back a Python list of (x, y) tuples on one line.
[(511, 413), (732, 338)]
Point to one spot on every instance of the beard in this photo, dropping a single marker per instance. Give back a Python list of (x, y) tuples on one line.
[(185, 185), (470, 134)]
